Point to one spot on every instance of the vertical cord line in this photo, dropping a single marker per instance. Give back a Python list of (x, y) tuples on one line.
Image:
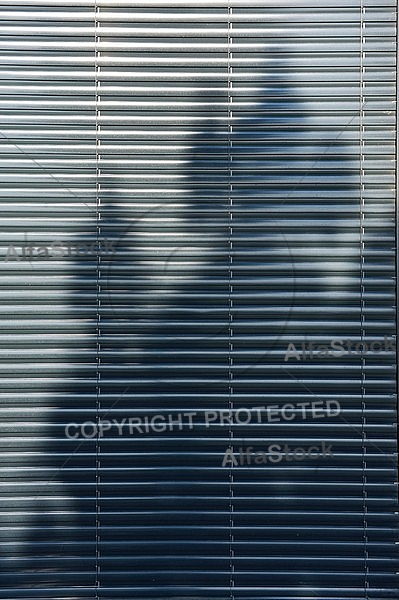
[(397, 219), (98, 293), (231, 346), (362, 291)]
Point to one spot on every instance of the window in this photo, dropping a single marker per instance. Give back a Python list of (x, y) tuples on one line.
[(196, 197)]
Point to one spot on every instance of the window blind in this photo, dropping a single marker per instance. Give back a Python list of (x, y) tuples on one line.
[(220, 176)]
